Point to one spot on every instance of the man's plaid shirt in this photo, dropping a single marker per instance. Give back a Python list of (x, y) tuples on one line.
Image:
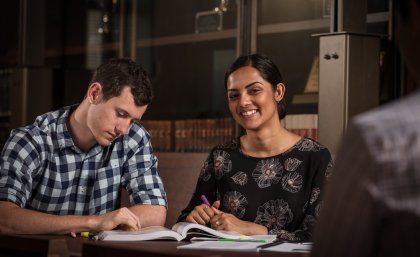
[(42, 169)]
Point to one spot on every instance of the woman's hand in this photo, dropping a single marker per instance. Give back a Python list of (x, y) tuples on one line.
[(203, 213), (228, 222)]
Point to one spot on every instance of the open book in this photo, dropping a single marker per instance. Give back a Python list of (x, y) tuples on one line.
[(180, 231)]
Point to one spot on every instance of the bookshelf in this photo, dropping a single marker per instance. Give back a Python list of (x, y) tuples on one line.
[(189, 135), (201, 135)]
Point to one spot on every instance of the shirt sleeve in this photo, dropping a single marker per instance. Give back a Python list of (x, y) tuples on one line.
[(321, 166), (141, 177), (206, 185), (347, 222), (20, 157)]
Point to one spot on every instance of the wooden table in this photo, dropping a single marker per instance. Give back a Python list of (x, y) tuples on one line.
[(66, 246), (165, 249)]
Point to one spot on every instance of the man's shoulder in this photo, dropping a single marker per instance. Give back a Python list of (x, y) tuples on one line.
[(45, 123), (52, 118), (136, 134), (399, 114), (388, 129)]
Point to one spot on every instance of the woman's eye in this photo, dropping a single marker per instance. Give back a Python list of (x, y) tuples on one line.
[(233, 96), (254, 91)]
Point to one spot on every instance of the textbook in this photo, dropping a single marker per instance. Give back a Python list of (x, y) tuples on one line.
[(180, 231)]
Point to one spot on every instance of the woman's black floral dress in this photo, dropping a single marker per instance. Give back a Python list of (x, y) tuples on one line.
[(282, 192)]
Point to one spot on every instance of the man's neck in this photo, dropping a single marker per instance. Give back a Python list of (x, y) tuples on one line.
[(80, 132)]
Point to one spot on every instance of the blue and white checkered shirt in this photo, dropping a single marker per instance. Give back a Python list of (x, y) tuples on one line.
[(42, 169)]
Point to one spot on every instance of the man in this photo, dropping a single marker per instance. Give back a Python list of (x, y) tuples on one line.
[(372, 204), (63, 173)]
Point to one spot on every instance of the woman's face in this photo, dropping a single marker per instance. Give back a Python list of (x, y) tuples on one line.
[(252, 101)]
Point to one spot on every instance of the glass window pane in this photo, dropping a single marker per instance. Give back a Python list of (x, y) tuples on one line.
[(187, 68), (285, 33), (275, 11), (84, 32)]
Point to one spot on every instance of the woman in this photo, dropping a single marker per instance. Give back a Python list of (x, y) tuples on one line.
[(268, 181)]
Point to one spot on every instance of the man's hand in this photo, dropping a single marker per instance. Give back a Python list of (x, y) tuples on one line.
[(119, 219)]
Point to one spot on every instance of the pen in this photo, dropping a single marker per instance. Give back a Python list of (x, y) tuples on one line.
[(270, 244), (86, 234), (205, 201)]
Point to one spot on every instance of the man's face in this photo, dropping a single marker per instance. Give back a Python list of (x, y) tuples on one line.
[(108, 120)]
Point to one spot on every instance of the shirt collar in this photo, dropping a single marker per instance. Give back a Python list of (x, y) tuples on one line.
[(63, 133)]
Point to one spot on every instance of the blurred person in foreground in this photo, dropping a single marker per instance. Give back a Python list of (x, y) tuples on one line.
[(372, 204)]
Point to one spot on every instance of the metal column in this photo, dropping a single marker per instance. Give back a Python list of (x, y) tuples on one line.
[(349, 82), (348, 71)]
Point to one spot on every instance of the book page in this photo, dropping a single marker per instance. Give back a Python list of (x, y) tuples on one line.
[(148, 233), (187, 229)]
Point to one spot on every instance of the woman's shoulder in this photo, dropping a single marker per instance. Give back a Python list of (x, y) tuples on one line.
[(306, 144), (231, 145), (310, 147)]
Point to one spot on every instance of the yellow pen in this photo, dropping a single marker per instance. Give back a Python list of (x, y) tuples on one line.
[(87, 234)]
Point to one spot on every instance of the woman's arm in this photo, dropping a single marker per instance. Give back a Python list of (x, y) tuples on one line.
[(322, 170)]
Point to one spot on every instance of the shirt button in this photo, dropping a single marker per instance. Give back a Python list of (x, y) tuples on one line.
[(83, 189)]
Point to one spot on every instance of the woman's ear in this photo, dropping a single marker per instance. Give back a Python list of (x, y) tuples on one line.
[(279, 93), (94, 94)]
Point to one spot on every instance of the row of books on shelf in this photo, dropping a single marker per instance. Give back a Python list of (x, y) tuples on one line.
[(201, 135), (305, 125), (190, 135)]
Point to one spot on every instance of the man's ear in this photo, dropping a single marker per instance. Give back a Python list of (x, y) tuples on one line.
[(279, 93), (94, 93)]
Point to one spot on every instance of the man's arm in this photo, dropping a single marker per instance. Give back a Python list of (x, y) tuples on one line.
[(150, 215), (348, 219), (16, 220)]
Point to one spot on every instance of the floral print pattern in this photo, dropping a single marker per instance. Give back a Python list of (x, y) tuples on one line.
[(309, 145), (240, 178), (291, 164), (282, 192), (329, 170), (292, 182), (204, 173), (267, 172), (275, 215), (234, 202), (314, 195), (222, 163)]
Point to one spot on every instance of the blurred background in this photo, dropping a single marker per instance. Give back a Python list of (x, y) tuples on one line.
[(49, 48)]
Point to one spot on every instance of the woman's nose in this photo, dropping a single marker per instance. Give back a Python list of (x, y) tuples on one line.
[(244, 99)]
